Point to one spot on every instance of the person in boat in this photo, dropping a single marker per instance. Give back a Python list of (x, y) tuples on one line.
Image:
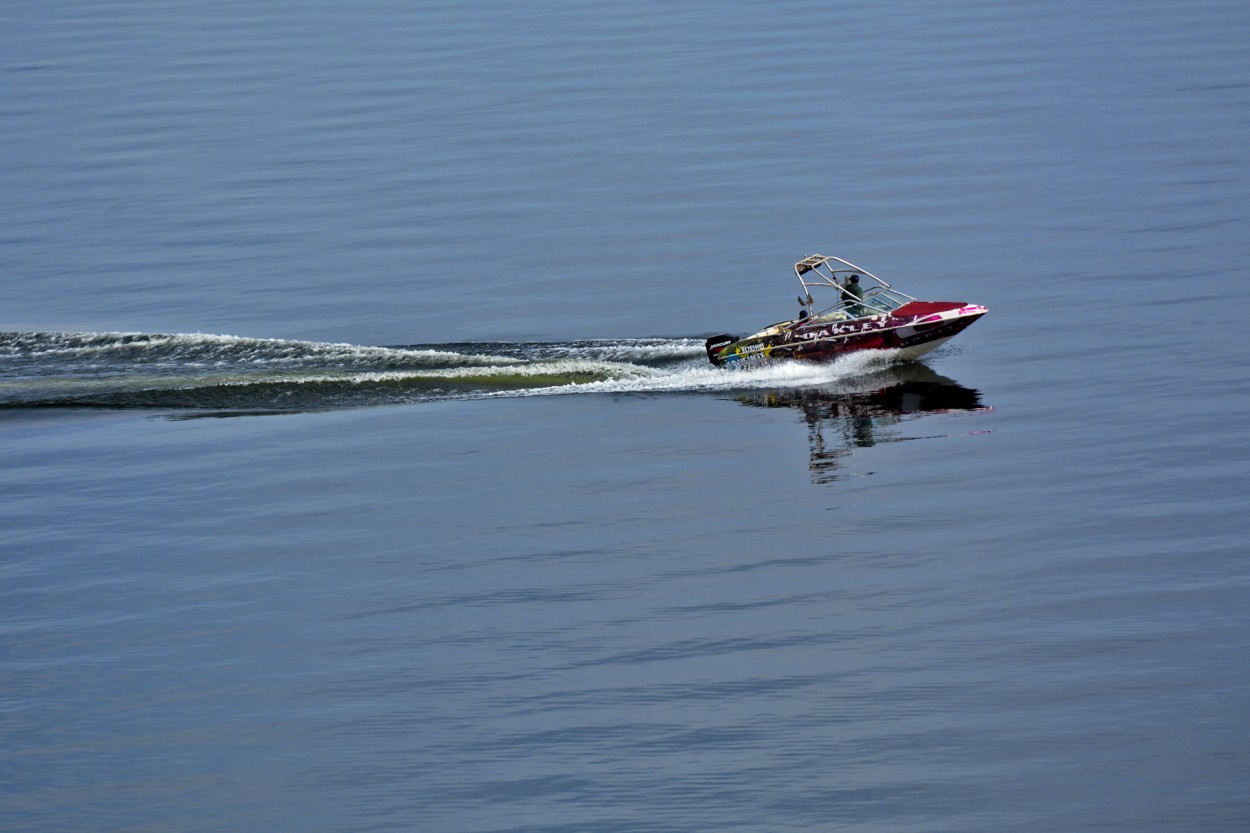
[(852, 289)]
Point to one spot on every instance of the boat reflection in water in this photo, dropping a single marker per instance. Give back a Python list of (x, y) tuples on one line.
[(867, 410)]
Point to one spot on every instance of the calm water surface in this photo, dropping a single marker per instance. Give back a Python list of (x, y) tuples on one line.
[(361, 470)]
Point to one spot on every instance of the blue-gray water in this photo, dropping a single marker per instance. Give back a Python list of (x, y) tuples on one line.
[(488, 546)]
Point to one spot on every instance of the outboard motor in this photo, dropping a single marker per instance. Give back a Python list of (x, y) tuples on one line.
[(714, 345)]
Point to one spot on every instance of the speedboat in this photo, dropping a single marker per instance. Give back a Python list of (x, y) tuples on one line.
[(866, 313)]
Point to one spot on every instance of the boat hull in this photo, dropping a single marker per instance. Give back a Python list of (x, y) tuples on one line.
[(911, 335)]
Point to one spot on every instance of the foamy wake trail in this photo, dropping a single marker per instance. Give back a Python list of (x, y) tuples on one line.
[(144, 370), (65, 350)]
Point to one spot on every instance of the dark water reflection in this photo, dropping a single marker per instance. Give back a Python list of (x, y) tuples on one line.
[(866, 411)]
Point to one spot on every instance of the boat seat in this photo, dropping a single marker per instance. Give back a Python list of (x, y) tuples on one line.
[(828, 317)]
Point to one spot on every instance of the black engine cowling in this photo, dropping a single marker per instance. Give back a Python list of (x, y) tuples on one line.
[(715, 343)]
